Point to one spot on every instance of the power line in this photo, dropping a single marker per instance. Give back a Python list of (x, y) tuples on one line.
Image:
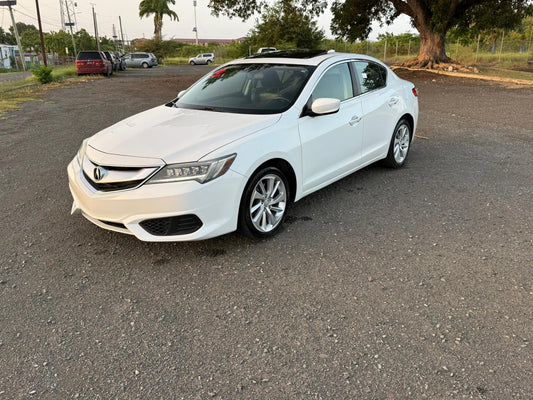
[(35, 19)]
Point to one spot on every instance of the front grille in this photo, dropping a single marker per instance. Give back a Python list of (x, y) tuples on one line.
[(111, 186), (169, 226)]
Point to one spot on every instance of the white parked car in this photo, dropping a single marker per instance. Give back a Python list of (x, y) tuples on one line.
[(267, 50), (205, 58), (239, 146)]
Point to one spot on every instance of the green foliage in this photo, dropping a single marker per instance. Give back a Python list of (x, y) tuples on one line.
[(161, 48), (6, 37), (246, 9), (285, 26), (84, 41), (43, 74), (22, 27), (158, 8), (56, 42), (30, 40), (352, 18)]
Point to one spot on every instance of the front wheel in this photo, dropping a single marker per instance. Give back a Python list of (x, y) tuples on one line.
[(192, 63), (399, 145), (264, 203)]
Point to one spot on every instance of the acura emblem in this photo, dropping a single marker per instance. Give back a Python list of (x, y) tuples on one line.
[(99, 173)]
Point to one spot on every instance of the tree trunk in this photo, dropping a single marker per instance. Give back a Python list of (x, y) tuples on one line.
[(432, 46), (158, 26)]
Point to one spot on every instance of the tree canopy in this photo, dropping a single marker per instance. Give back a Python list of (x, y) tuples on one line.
[(285, 25), (352, 19), (158, 8)]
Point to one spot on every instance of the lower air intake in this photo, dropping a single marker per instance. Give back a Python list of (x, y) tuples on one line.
[(170, 226)]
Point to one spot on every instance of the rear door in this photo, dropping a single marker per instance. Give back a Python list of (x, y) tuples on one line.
[(331, 144), (381, 107)]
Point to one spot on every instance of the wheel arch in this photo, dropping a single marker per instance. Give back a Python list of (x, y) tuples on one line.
[(287, 170), (410, 119)]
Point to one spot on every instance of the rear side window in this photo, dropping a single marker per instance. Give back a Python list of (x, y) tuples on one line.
[(336, 83), (371, 75), (89, 55)]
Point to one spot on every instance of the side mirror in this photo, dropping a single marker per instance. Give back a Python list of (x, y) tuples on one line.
[(325, 106)]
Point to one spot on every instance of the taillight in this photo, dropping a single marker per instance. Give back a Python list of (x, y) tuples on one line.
[(81, 62), (153, 59), (415, 92), (98, 63)]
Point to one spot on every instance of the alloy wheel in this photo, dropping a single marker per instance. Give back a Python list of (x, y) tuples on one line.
[(268, 203), (401, 143)]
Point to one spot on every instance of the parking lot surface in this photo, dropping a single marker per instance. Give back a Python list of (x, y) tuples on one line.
[(389, 284)]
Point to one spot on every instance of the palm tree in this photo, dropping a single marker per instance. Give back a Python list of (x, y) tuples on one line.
[(159, 8)]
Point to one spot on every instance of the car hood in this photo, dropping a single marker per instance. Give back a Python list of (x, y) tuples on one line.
[(177, 134)]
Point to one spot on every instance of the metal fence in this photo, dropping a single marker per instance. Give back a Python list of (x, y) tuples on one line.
[(484, 50)]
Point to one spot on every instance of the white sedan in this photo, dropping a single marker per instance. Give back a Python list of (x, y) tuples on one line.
[(236, 148)]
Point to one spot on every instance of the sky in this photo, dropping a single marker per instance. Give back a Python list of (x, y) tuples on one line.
[(108, 11)]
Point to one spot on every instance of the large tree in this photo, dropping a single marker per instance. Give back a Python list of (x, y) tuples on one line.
[(283, 24), (158, 8), (352, 19)]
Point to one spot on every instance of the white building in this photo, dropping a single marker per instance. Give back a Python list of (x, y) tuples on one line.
[(6, 52)]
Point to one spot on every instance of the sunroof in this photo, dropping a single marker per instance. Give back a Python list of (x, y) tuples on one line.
[(297, 53)]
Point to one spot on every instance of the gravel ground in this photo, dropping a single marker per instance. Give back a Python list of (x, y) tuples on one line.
[(407, 284)]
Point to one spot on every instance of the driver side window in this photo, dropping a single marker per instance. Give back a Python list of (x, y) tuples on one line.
[(336, 83)]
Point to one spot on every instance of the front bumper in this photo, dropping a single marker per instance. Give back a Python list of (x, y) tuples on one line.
[(216, 203)]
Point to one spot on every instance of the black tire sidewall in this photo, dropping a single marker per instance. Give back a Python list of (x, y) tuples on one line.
[(245, 225), (390, 160)]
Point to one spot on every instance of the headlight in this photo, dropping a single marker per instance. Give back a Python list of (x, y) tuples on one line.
[(202, 171), (81, 152)]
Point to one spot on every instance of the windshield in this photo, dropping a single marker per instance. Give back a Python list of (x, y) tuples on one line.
[(248, 89)]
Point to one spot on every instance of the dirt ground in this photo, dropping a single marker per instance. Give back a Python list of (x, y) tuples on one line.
[(407, 284)]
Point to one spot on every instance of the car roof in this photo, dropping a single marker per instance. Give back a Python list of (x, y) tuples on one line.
[(299, 57)]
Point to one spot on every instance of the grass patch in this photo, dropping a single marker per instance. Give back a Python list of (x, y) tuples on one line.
[(13, 93), (506, 73)]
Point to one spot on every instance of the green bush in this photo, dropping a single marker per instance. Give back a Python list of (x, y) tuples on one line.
[(43, 74)]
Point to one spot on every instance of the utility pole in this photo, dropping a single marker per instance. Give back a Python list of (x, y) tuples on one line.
[(62, 14), (121, 33), (41, 32), (71, 32), (21, 51), (195, 24), (115, 37), (96, 30)]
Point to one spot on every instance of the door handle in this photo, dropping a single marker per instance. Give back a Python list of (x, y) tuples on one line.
[(393, 101), (355, 119)]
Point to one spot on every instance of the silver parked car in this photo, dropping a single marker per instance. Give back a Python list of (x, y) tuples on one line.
[(205, 58), (144, 60)]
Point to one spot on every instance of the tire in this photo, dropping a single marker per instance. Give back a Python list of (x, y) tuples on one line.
[(399, 145), (145, 65), (264, 203), (208, 62), (192, 63)]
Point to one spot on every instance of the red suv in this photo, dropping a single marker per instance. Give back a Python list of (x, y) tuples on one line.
[(93, 62)]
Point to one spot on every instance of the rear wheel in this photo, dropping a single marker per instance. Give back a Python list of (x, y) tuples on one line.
[(145, 65), (264, 203), (399, 145), (208, 62)]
